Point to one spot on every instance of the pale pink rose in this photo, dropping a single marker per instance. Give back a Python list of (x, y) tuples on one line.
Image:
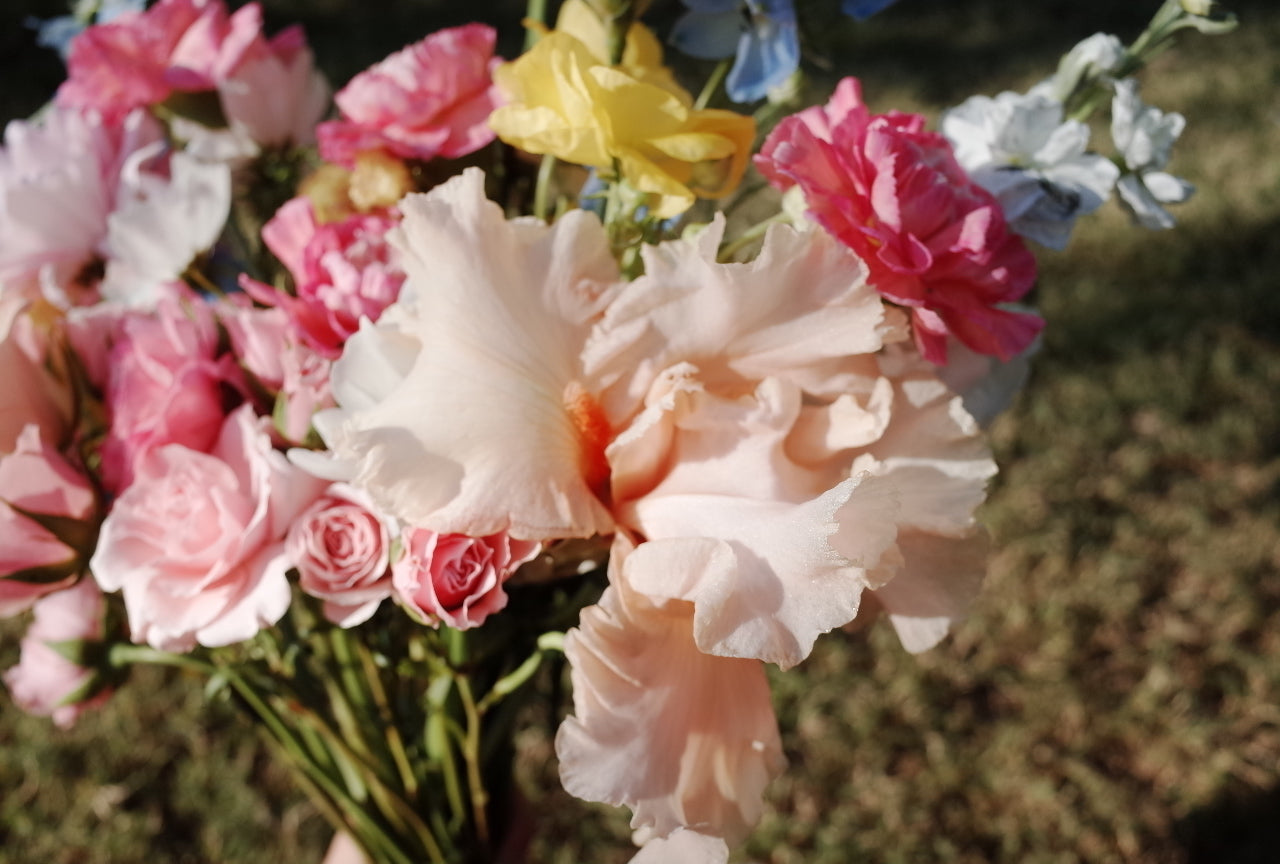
[(165, 385), (59, 184), (44, 680), (197, 542), (35, 482), (32, 394), (453, 579), (126, 63), (342, 272), (683, 738), (463, 409), (264, 343), (341, 550), (935, 241), (430, 99)]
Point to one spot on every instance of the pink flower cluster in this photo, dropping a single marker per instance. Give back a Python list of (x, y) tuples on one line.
[(934, 240), (266, 87)]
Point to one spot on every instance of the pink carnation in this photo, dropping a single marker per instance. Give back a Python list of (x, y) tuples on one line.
[(196, 544), (430, 99), (341, 551), (342, 272), (36, 482), (933, 239), (165, 385), (44, 680), (456, 580)]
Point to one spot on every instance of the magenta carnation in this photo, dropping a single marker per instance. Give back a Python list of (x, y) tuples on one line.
[(430, 99), (934, 241)]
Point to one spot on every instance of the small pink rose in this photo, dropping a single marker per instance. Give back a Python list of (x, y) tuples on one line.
[(43, 502), (340, 548), (456, 580), (44, 679)]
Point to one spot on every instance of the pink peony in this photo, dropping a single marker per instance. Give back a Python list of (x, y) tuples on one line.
[(37, 482), (197, 542), (342, 272), (456, 580), (340, 548), (934, 240), (430, 99), (46, 683), (166, 384)]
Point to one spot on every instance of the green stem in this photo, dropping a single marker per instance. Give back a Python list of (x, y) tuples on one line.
[(534, 12), (471, 753), (542, 189), (713, 83), (752, 234)]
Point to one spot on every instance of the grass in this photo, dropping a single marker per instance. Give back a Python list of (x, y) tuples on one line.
[(1115, 695)]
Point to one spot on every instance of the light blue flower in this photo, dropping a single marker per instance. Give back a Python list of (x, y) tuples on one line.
[(760, 35), (864, 9), (57, 33)]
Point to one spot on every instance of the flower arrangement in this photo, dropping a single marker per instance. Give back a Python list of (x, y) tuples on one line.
[(363, 411)]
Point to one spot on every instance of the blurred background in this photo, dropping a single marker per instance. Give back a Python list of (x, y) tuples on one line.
[(1115, 695)]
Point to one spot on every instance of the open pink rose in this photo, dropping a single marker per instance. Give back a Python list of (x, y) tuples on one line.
[(934, 240), (39, 555), (456, 580), (196, 543), (165, 386), (340, 548), (430, 99), (45, 682)]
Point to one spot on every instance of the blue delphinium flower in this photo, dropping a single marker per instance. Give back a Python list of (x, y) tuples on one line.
[(57, 33), (864, 9), (760, 35)]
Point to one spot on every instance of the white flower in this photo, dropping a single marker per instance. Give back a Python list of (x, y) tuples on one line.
[(1018, 147), (1145, 135), (1099, 56)]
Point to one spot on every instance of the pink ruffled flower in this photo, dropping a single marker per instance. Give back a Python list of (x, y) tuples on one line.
[(935, 241), (341, 550), (44, 680), (197, 542), (430, 99), (342, 272), (36, 482), (456, 580), (166, 383)]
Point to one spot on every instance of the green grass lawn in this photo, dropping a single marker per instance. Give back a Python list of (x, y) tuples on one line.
[(1115, 695)]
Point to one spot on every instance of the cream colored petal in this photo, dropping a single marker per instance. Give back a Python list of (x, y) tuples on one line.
[(938, 580), (683, 846), (801, 304), (486, 431), (686, 740)]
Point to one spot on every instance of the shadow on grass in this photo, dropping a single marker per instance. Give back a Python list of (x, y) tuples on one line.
[(1239, 828)]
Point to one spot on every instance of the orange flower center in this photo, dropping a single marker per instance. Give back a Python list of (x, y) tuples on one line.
[(594, 435)]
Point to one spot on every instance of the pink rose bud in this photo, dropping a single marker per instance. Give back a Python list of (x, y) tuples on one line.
[(341, 551), (47, 522), (456, 580), (46, 682)]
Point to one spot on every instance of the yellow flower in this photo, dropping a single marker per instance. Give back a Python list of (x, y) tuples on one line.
[(633, 118)]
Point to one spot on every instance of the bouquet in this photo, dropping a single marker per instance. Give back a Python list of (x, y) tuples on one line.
[(366, 407)]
